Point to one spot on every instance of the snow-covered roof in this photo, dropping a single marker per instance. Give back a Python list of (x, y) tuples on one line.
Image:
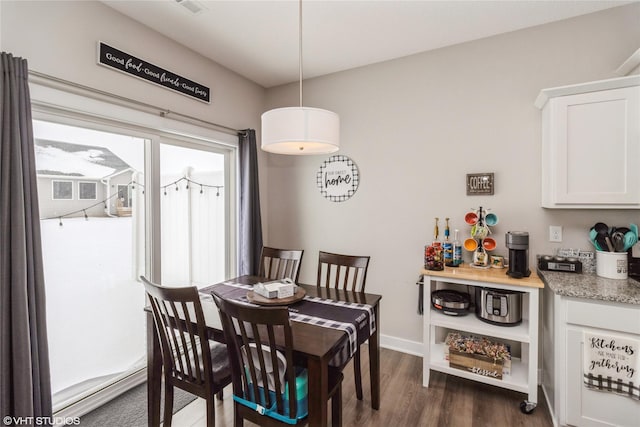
[(78, 160)]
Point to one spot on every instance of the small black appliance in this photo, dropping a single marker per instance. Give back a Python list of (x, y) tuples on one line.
[(451, 302), (559, 263), (518, 244)]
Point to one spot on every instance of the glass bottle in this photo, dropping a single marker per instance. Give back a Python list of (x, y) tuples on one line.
[(457, 250), (447, 246)]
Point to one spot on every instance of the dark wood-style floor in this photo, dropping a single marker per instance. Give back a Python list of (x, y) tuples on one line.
[(449, 401)]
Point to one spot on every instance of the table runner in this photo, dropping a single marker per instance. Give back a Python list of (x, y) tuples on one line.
[(355, 319)]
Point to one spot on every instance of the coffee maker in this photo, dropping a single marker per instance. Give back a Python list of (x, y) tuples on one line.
[(518, 244)]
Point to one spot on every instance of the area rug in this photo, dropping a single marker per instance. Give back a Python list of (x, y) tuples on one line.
[(130, 409)]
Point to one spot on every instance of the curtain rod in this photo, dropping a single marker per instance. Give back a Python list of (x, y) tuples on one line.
[(163, 112)]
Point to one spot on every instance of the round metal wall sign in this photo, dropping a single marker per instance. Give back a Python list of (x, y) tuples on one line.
[(338, 178)]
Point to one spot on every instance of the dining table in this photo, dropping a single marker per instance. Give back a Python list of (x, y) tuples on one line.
[(328, 326)]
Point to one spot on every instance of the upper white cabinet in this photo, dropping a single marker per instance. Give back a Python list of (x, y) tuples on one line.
[(591, 145)]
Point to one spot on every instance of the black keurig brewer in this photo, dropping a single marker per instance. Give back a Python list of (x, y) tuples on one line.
[(518, 244)]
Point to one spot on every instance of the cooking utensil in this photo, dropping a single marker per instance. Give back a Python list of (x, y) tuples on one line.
[(601, 228), (630, 239), (609, 244), (595, 244), (592, 237), (600, 240), (623, 230), (617, 239)]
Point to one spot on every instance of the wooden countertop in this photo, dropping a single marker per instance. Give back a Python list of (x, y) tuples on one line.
[(489, 275)]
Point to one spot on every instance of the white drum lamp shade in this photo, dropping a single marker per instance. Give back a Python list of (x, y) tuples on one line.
[(300, 131)]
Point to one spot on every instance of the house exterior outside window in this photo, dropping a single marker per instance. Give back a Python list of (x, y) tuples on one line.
[(87, 190), (62, 190), (124, 195)]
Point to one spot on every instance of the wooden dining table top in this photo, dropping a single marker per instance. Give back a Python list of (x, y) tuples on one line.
[(312, 339)]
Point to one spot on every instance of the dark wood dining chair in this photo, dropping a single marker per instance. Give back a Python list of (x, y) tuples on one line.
[(268, 387), (280, 263), (190, 360), (345, 272)]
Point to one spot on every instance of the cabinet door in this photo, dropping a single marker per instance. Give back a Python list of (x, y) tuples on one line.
[(593, 152), (587, 407)]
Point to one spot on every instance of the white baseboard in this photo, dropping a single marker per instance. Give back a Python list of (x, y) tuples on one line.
[(401, 345), (102, 396)]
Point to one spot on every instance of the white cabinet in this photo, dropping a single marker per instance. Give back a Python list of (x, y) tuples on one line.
[(524, 369), (591, 145), (570, 401)]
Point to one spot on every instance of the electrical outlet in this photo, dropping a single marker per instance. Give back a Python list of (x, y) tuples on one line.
[(555, 233)]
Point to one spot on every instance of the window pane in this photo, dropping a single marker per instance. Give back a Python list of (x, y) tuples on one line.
[(92, 257), (62, 190), (193, 216), (87, 190)]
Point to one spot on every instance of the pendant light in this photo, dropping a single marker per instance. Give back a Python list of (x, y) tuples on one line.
[(300, 130)]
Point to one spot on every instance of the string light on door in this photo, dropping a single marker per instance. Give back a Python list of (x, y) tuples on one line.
[(189, 185), (190, 181)]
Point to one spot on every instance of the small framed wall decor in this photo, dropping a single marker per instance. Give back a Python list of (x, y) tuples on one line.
[(480, 184), (338, 178)]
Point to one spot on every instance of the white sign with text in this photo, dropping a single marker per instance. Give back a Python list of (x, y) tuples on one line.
[(611, 363), (338, 178)]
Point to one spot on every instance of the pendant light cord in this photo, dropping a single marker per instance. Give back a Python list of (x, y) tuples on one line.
[(300, 47)]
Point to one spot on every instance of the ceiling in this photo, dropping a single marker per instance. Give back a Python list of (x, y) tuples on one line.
[(260, 39)]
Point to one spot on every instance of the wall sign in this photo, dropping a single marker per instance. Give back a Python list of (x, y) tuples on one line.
[(479, 183), (611, 364), (113, 58), (338, 178)]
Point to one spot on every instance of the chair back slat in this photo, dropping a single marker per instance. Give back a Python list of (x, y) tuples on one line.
[(184, 347), (260, 346), (343, 272), (280, 263)]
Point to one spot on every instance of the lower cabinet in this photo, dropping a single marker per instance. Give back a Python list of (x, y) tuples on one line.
[(570, 400)]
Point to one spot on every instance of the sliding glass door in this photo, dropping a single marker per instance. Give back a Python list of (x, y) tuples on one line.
[(193, 201), (115, 205), (90, 204)]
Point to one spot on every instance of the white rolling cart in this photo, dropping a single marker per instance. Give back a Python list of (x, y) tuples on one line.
[(524, 370)]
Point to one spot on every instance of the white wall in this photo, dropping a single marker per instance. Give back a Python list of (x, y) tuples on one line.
[(60, 38), (416, 126)]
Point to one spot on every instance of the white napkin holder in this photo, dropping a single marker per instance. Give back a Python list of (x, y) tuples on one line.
[(277, 289)]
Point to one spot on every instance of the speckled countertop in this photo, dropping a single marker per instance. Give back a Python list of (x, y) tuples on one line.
[(590, 286)]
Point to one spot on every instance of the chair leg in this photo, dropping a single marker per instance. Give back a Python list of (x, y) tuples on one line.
[(336, 407), (238, 421), (357, 374), (211, 412), (168, 404)]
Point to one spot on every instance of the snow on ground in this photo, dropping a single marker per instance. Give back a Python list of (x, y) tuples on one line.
[(95, 317)]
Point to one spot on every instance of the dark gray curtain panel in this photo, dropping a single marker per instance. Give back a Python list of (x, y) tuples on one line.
[(25, 384), (250, 229)]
